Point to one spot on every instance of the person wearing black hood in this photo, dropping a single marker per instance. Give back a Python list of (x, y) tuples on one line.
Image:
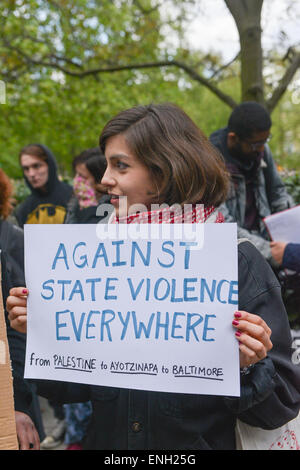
[(256, 188), (49, 196)]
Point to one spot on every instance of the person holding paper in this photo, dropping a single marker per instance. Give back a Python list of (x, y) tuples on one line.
[(287, 255), (157, 154), (256, 189)]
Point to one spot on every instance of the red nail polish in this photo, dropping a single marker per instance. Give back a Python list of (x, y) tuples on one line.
[(24, 291), (237, 314), (235, 322), (238, 333)]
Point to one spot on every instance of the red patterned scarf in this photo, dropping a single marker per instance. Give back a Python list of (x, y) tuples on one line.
[(190, 214)]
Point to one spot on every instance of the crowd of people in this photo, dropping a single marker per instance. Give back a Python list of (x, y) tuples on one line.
[(50, 201), (153, 155)]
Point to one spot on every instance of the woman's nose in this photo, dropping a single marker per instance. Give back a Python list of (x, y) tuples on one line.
[(107, 179)]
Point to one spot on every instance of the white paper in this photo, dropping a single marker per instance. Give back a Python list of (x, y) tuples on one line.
[(285, 226), (133, 313)]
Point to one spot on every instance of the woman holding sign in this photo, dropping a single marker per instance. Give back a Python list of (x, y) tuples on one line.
[(155, 154)]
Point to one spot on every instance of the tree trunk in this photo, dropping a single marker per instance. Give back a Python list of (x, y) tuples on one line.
[(247, 17)]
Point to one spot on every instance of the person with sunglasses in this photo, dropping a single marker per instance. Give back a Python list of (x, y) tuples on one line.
[(256, 188)]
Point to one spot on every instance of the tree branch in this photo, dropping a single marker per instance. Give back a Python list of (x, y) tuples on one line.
[(147, 65), (284, 82), (118, 68), (171, 63), (225, 66), (198, 78)]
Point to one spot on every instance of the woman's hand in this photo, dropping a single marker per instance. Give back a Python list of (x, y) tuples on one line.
[(253, 335), (16, 306)]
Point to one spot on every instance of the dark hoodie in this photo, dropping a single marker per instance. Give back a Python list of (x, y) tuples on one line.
[(47, 207)]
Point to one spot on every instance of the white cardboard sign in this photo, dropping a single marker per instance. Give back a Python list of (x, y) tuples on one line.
[(145, 307)]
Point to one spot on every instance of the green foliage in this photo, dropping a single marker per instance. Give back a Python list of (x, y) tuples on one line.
[(21, 191), (292, 183), (47, 105), (285, 131)]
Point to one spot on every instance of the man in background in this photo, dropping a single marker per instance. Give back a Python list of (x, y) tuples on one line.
[(256, 189), (47, 203)]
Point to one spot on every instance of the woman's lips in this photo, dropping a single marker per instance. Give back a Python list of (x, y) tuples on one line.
[(114, 199)]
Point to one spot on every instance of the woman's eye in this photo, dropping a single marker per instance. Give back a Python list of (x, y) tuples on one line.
[(122, 165)]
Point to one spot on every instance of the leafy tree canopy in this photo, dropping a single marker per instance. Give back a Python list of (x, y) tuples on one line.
[(69, 65)]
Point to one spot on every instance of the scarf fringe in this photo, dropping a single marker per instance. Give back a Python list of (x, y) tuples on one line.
[(191, 214)]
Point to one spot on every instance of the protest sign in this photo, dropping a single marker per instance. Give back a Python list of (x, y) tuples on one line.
[(144, 307)]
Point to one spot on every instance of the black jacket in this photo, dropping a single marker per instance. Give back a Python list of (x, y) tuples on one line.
[(88, 215), (17, 345), (270, 393), (45, 207), (12, 275)]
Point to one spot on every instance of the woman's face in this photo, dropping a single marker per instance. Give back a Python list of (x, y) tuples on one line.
[(126, 176), (82, 171)]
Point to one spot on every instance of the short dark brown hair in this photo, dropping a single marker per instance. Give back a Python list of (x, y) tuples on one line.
[(94, 160), (248, 118), (186, 166), (35, 151)]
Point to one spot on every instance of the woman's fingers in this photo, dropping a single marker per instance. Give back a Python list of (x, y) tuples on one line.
[(13, 301), (253, 319), (16, 305), (17, 296), (255, 349), (254, 331), (18, 319), (254, 337), (18, 291)]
